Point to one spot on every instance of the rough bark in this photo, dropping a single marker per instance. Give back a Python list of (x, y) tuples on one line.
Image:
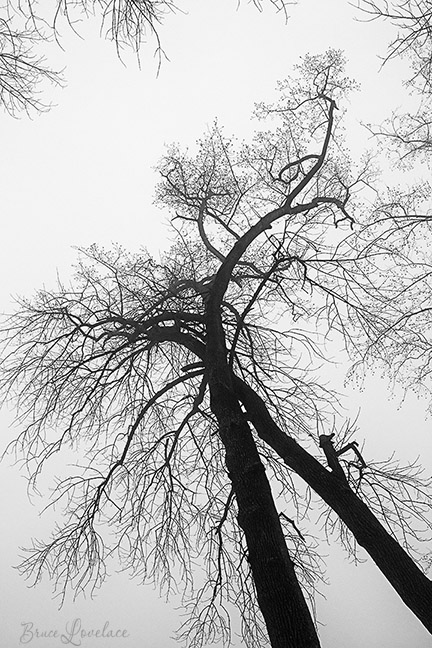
[(414, 588)]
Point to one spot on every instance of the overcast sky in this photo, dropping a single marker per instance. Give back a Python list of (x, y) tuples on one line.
[(83, 173)]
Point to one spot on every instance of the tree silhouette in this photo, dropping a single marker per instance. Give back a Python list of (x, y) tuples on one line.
[(405, 137), (412, 19), (129, 24), (190, 383), (21, 72)]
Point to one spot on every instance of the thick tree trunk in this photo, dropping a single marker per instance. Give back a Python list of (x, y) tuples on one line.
[(408, 580), (287, 617)]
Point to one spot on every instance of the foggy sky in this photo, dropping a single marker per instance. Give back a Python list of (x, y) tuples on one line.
[(83, 173)]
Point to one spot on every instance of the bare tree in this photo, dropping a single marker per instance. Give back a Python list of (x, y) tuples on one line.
[(20, 71), (189, 382), (404, 216), (128, 23), (408, 134), (412, 19)]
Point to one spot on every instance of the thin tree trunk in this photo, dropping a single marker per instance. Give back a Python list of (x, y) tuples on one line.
[(408, 580)]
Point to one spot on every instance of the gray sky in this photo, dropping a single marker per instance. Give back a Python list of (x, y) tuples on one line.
[(83, 173)]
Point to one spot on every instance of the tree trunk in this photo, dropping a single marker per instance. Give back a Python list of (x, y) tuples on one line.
[(287, 617), (408, 580), (414, 588), (282, 603)]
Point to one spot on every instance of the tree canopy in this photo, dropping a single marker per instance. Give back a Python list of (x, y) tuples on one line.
[(192, 380), (25, 27)]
